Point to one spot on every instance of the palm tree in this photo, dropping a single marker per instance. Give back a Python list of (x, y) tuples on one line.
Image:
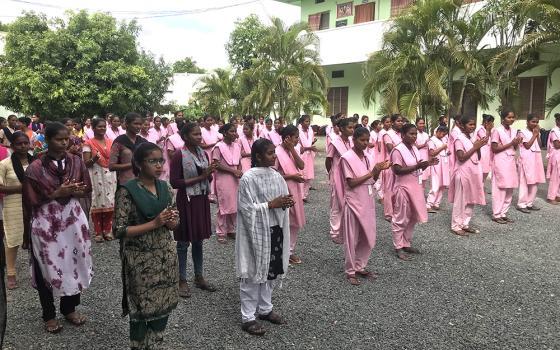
[(287, 74), (218, 94), (542, 31), (411, 72)]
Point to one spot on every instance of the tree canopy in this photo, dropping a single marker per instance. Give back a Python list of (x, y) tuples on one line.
[(242, 45), (80, 65), (187, 65)]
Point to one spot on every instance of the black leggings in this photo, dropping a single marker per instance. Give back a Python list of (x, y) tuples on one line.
[(67, 303)]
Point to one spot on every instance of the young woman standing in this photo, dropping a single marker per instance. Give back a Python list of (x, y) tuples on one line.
[(59, 228), (12, 174), (191, 173), (335, 150), (531, 167), (482, 131), (307, 141), (263, 237), (466, 188), (408, 195), (123, 146), (422, 145), (114, 130), (290, 166), (439, 173), (390, 140), (144, 214), (504, 170), (358, 217), (104, 181), (553, 169), (228, 155), (246, 141), (274, 135)]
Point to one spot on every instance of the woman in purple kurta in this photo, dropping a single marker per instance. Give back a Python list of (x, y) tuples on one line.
[(190, 174), (60, 242)]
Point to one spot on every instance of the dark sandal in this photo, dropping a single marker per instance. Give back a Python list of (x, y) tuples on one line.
[(53, 327), (12, 282), (508, 220), (253, 328), (499, 220), (461, 233), (411, 250), (367, 274), (77, 319), (353, 280), (222, 240), (184, 290), (272, 317), (99, 239), (109, 236), (471, 230), (204, 285), (402, 255)]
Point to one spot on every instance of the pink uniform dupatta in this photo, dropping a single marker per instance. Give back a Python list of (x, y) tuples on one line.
[(530, 160), (552, 154), (288, 165), (246, 145), (469, 173), (504, 165), (308, 157), (410, 183), (230, 153)]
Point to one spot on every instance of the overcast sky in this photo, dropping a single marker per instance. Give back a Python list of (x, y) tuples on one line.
[(202, 33)]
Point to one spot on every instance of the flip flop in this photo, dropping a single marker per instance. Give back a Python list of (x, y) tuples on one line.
[(77, 319), (54, 327)]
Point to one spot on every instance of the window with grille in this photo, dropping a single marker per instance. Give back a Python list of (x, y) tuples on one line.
[(338, 100), (532, 95), (397, 6)]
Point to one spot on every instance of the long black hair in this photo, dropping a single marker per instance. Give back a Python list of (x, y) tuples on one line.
[(140, 153), (259, 148)]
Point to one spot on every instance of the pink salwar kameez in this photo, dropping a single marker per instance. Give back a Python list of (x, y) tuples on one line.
[(466, 188), (486, 154), (112, 134), (439, 174), (358, 216), (155, 136), (422, 138), (226, 186), (286, 165), (388, 180), (504, 169), (409, 205), (246, 145), (308, 157), (553, 168), (531, 170), (274, 137), (335, 150)]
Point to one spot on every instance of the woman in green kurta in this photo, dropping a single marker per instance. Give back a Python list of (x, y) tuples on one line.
[(144, 215)]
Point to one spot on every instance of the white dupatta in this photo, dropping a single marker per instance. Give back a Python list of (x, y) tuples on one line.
[(257, 187)]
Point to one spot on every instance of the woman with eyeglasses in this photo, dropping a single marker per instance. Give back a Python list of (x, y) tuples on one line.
[(145, 214)]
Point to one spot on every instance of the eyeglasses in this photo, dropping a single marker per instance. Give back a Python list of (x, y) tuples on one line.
[(159, 161)]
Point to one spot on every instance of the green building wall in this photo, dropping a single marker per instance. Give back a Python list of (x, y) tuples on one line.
[(309, 7)]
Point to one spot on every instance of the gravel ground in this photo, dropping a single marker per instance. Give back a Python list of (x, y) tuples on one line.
[(496, 290)]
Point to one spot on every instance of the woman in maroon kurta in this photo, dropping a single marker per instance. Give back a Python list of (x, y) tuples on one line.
[(190, 174)]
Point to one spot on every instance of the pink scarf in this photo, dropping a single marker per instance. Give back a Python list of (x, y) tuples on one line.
[(231, 153)]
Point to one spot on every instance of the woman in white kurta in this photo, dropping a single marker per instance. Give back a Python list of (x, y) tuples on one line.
[(262, 247), (12, 173)]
